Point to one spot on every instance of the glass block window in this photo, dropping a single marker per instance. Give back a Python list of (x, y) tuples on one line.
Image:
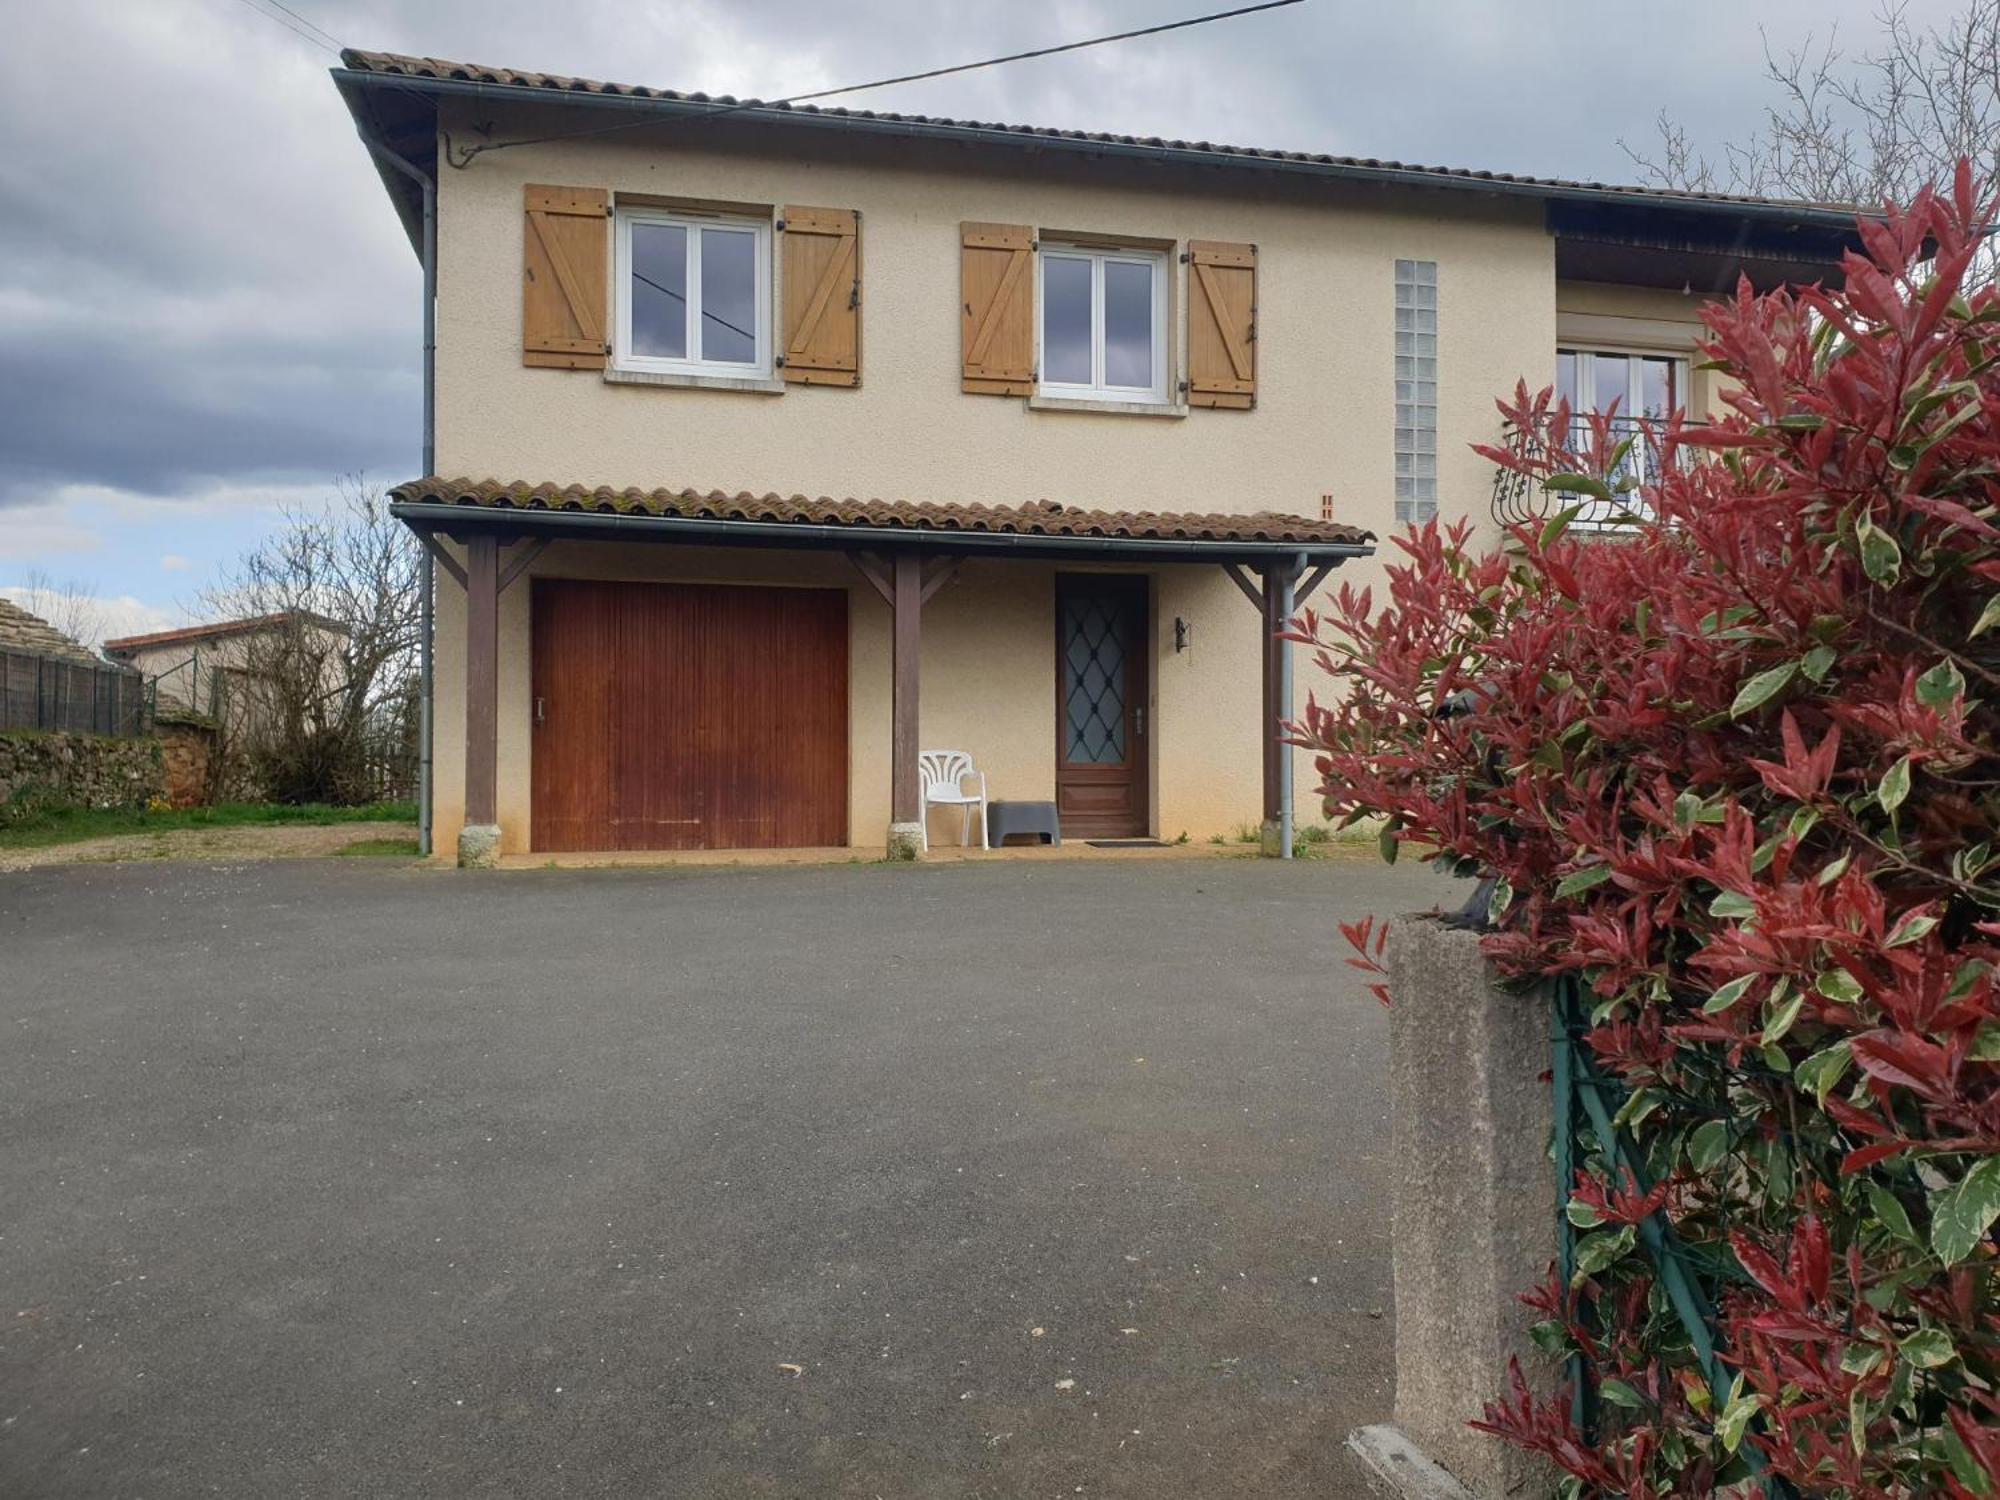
[(1416, 390)]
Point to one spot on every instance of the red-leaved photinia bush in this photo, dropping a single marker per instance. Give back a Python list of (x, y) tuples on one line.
[(1735, 770)]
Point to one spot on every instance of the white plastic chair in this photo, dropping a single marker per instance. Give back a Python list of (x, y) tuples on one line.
[(944, 774)]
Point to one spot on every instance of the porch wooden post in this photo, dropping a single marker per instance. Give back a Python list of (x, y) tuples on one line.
[(479, 842), (1272, 720), (906, 808)]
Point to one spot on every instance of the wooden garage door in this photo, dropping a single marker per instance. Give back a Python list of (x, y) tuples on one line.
[(688, 716)]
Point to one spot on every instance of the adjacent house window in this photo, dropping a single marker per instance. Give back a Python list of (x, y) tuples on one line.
[(1104, 324), (1416, 390), (693, 295)]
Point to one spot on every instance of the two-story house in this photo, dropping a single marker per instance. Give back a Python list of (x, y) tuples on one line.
[(768, 446)]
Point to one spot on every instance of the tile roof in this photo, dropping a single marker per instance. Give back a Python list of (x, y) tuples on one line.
[(1043, 518), (218, 629), (34, 636), (398, 65)]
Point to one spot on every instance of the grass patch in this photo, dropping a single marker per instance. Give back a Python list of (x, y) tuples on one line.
[(68, 825), (390, 848)]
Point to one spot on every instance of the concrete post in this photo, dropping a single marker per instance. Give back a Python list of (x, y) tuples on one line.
[(1474, 1217)]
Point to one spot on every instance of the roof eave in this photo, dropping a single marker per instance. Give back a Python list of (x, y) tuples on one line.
[(1797, 214), (429, 516)]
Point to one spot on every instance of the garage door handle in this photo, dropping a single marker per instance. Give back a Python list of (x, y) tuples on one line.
[(541, 705)]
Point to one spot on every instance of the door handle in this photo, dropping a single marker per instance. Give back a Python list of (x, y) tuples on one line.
[(1139, 721), (541, 705)]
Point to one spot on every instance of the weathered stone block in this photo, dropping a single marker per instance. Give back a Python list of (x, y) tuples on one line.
[(479, 846), (1475, 1202)]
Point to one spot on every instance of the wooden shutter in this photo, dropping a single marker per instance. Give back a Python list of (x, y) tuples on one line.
[(996, 282), (565, 276), (822, 278), (1222, 324)]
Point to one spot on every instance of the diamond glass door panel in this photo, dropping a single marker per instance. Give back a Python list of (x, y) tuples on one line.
[(1103, 647)]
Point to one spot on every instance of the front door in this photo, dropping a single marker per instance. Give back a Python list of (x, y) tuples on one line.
[(1102, 650)]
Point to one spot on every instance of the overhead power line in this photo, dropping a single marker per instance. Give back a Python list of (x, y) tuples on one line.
[(465, 156), (277, 12), (303, 29)]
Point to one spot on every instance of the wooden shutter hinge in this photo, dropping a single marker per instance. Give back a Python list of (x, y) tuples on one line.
[(780, 226), (779, 362)]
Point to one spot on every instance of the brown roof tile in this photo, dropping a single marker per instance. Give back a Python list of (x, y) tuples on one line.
[(398, 65), (33, 636), (218, 629), (1039, 518)]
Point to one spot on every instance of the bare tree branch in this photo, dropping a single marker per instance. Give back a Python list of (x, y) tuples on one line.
[(332, 679), (1867, 130)]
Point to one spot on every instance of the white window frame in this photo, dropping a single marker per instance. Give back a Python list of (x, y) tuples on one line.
[(1159, 393), (622, 356), (1586, 357), (1601, 513)]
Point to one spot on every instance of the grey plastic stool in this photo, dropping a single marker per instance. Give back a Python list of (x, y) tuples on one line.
[(1003, 818)]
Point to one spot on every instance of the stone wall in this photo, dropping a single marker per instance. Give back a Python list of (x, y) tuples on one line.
[(76, 770), (187, 762)]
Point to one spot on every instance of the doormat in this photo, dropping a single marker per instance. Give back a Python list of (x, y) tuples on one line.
[(1128, 844)]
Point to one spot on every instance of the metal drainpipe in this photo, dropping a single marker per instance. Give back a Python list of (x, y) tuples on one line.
[(428, 187), (1292, 571)]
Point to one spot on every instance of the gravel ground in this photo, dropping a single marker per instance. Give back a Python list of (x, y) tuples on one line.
[(252, 841)]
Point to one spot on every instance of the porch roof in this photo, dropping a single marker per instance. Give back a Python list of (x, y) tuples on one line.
[(1042, 528)]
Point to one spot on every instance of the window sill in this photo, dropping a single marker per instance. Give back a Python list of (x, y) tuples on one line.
[(759, 385), (1115, 408)]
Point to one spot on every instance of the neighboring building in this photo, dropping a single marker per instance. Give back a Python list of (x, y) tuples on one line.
[(27, 634), (1095, 382), (210, 669), (52, 681)]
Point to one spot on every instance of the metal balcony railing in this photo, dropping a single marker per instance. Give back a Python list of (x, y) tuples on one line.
[(1520, 499)]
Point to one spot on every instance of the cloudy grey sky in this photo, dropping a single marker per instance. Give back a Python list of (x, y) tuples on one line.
[(207, 308)]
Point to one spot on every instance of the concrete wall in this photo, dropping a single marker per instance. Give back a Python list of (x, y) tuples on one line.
[(1475, 1203), (1323, 424)]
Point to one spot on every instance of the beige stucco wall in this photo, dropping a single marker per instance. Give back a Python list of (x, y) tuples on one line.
[(1323, 424)]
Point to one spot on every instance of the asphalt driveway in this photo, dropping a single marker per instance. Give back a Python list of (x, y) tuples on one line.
[(337, 1179)]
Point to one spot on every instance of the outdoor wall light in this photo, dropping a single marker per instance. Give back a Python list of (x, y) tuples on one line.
[(1183, 635)]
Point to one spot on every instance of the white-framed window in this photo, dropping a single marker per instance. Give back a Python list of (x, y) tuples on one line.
[(1104, 324), (1642, 385), (693, 294), (1634, 386)]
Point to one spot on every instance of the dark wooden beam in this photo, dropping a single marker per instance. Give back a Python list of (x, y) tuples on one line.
[(905, 793), (1242, 581), (1272, 602), (519, 563), (1313, 580), (482, 678), (870, 568), (444, 559), (941, 571)]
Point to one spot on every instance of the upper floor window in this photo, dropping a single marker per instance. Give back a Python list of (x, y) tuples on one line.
[(1642, 385), (693, 294), (1104, 324), (1634, 386)]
